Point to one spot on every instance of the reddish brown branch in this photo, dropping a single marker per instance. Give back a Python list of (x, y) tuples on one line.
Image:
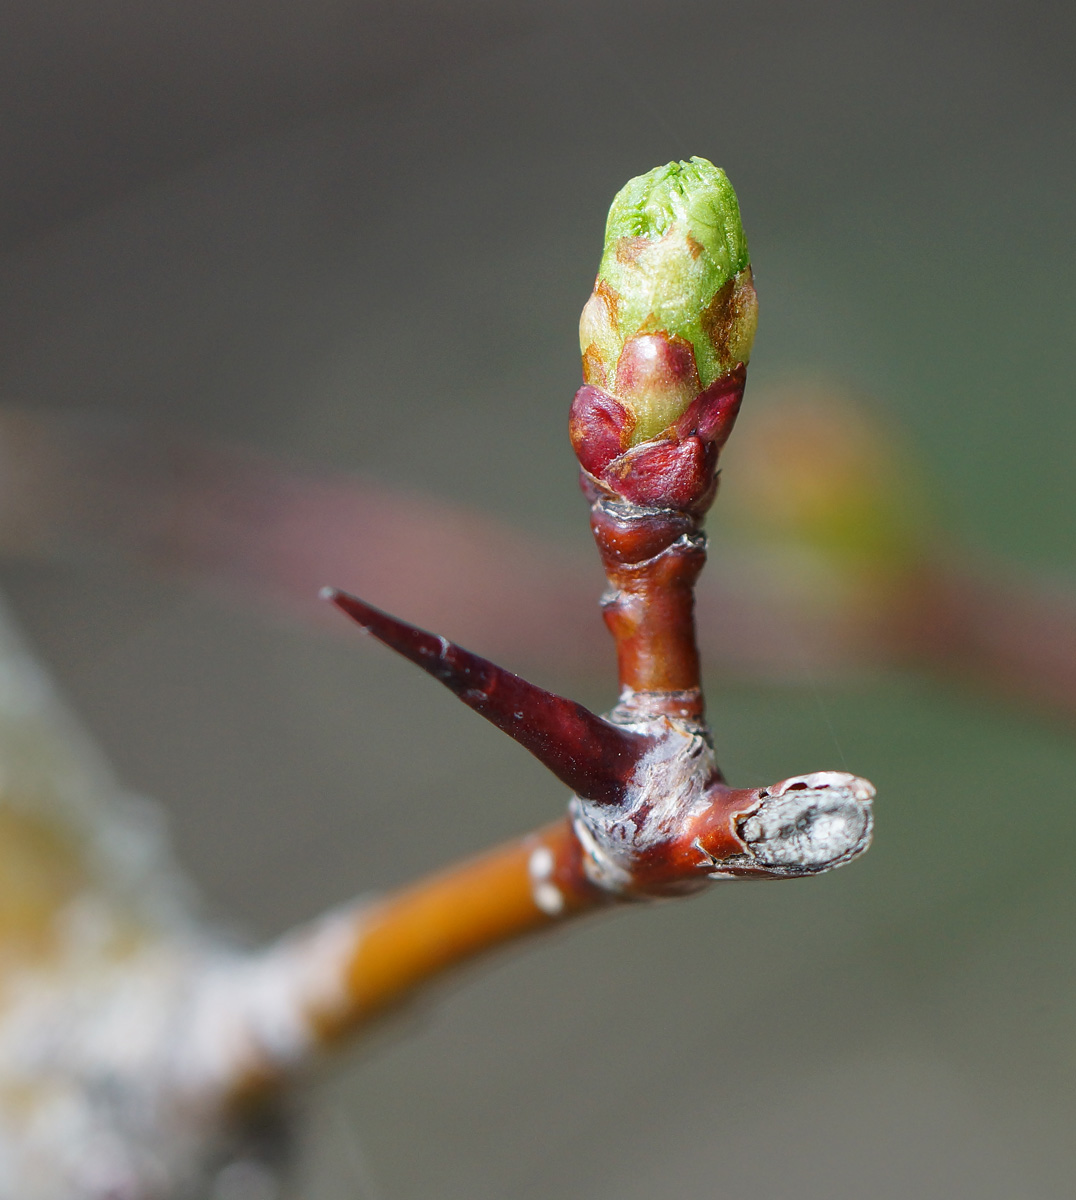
[(647, 502), (343, 973), (652, 562), (247, 526)]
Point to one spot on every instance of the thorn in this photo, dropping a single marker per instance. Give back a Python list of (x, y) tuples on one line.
[(587, 753)]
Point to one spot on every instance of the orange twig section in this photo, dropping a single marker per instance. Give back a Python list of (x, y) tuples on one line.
[(267, 1017), (414, 935)]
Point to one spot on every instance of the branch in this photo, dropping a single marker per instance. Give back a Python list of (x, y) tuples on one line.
[(249, 528), (651, 815)]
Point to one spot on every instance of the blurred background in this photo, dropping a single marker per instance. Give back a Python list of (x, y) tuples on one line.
[(351, 241)]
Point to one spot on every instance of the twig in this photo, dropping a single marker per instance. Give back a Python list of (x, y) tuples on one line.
[(134, 1054), (650, 815)]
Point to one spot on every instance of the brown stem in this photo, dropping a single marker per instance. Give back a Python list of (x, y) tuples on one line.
[(652, 561), (647, 502)]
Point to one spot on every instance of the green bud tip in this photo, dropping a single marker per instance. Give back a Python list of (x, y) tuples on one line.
[(676, 271)]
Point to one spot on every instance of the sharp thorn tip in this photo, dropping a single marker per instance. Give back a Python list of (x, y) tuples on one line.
[(589, 754)]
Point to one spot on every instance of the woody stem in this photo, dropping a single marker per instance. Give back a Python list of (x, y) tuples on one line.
[(652, 559), (351, 967)]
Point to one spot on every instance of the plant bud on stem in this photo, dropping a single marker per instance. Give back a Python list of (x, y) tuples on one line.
[(674, 305), (666, 337)]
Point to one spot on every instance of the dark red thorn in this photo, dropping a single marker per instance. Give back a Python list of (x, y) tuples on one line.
[(590, 755)]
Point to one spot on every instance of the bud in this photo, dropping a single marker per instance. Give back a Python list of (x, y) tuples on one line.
[(674, 307)]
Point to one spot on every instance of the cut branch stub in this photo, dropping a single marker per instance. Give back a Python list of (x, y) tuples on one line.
[(682, 828), (592, 756)]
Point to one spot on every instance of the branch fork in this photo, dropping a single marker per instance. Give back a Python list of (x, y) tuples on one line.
[(650, 810), (665, 341)]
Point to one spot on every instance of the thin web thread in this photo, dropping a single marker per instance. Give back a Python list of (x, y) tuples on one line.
[(357, 1163), (823, 708)]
